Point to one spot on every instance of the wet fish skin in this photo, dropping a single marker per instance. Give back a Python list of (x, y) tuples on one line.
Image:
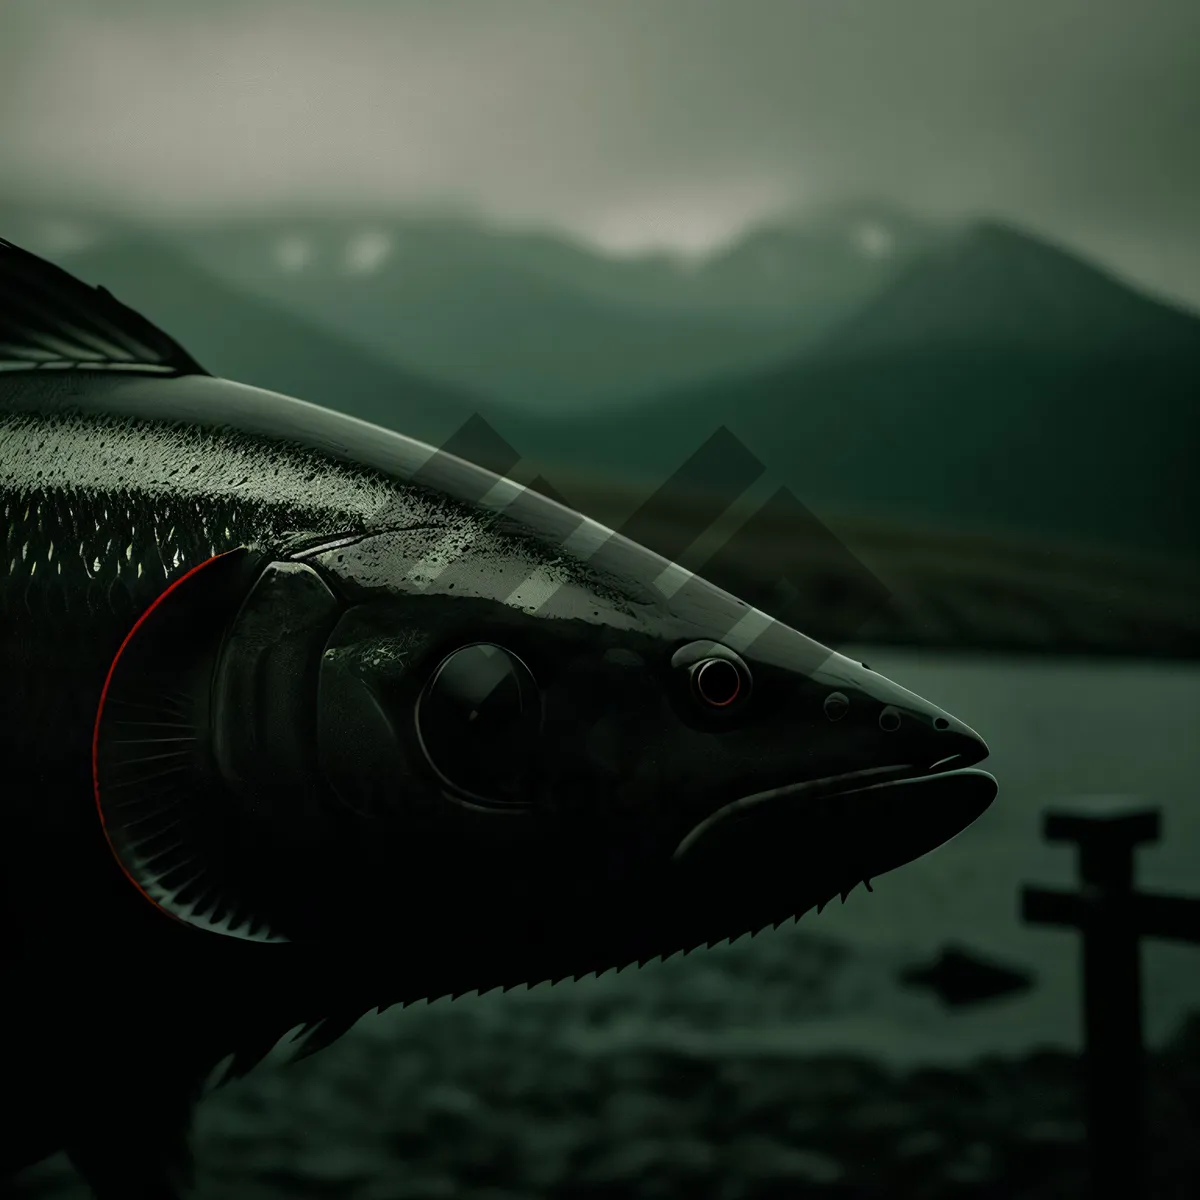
[(161, 527), (81, 564)]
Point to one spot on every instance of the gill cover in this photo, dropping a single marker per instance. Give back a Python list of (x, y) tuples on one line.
[(203, 756), (258, 731)]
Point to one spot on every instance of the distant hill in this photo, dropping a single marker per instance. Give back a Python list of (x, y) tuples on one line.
[(467, 310), (879, 582), (245, 339), (537, 319), (824, 264), (541, 321), (998, 384), (995, 383), (994, 289)]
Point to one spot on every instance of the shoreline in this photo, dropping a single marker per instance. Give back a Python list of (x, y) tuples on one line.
[(453, 1118)]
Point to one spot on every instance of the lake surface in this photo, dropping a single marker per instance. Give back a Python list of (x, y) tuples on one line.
[(1057, 731)]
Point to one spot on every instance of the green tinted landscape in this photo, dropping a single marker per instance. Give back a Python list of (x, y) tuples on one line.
[(995, 431)]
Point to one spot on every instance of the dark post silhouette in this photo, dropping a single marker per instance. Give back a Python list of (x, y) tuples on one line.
[(1112, 918)]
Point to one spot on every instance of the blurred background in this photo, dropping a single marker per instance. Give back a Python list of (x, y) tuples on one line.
[(937, 265)]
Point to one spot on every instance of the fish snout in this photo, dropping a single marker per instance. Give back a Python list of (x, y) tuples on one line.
[(962, 746), (911, 729)]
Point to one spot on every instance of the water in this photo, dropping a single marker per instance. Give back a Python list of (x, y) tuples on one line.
[(1057, 731)]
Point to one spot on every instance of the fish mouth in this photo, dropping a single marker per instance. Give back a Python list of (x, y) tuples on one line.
[(809, 841)]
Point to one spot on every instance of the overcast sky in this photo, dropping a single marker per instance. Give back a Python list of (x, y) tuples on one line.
[(632, 122)]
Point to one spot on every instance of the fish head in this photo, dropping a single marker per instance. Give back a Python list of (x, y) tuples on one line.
[(479, 729), (526, 755), (565, 757)]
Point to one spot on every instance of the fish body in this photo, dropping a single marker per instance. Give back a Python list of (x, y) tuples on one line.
[(302, 718)]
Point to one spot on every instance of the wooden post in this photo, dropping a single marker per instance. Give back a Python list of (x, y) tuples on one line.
[(1106, 832), (1112, 918)]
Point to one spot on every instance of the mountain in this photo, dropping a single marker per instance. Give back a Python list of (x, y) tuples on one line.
[(995, 383), (995, 289), (807, 268), (245, 339), (541, 321), (533, 317), (446, 300), (998, 384), (826, 262)]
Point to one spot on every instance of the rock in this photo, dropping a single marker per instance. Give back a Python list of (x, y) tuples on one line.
[(959, 977)]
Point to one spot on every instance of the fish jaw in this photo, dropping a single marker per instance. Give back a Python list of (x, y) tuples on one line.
[(783, 852), (780, 851)]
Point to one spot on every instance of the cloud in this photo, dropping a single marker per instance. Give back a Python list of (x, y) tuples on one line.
[(630, 120)]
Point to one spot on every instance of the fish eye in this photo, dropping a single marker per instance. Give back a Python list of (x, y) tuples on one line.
[(716, 681), (478, 723)]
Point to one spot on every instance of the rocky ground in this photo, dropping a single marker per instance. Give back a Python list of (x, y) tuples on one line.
[(678, 1082)]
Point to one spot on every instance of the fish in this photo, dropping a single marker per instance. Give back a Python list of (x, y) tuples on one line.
[(302, 718)]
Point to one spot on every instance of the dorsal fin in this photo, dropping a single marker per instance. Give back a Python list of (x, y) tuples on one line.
[(49, 320)]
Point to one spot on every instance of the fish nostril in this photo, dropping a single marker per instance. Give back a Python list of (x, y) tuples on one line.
[(837, 705), (941, 723), (889, 720)]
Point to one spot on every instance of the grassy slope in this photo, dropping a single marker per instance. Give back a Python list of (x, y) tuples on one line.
[(1096, 450)]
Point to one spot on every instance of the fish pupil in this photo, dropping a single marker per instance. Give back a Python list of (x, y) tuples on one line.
[(478, 721), (718, 682)]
